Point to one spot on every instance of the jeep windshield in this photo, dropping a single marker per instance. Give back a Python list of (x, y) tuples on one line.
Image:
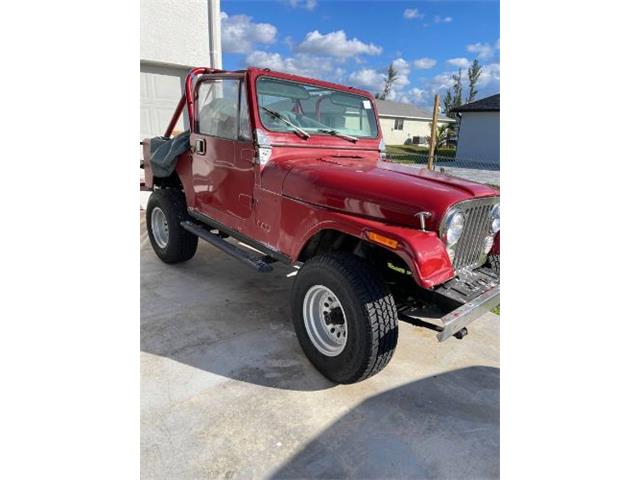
[(293, 107)]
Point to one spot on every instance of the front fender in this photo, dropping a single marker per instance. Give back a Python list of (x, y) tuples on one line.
[(423, 252)]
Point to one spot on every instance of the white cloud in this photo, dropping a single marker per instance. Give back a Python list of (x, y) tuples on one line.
[(439, 19), (299, 64), (368, 78), (288, 41), (239, 33), (460, 62), (336, 44), (417, 95), (262, 59), (424, 63), (441, 81), (412, 13), (374, 80), (403, 68), (490, 76), (488, 83), (483, 51), (308, 4)]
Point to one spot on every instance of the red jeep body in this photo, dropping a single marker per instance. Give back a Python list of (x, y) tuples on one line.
[(323, 183), (294, 197)]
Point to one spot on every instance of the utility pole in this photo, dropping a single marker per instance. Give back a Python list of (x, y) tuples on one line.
[(434, 131), (215, 35)]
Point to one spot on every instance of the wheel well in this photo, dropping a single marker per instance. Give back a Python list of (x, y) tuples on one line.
[(172, 181), (327, 241), (389, 264)]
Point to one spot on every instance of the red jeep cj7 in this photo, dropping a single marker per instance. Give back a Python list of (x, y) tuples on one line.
[(296, 169)]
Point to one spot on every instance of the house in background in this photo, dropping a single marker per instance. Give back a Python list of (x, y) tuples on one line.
[(479, 130), (174, 37), (401, 122)]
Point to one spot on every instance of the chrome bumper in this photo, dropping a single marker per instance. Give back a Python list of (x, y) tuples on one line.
[(462, 316)]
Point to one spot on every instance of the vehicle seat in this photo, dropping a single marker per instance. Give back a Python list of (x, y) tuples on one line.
[(219, 118)]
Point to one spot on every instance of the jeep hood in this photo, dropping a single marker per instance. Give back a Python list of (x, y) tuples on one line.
[(377, 189)]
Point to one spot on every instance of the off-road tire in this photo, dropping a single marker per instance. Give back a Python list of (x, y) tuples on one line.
[(370, 312), (181, 245)]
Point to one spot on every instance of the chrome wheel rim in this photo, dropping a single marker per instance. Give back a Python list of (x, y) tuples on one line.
[(159, 227), (325, 320)]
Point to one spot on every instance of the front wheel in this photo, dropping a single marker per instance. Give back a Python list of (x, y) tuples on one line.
[(344, 317)]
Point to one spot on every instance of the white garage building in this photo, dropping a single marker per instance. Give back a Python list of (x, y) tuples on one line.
[(174, 37), (479, 134)]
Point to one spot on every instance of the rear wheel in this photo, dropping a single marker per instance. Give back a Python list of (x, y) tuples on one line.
[(344, 317), (172, 243)]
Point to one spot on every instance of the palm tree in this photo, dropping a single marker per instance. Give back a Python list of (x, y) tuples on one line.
[(446, 135), (392, 76)]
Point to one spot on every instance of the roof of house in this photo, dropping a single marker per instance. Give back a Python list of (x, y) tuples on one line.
[(488, 104), (387, 108)]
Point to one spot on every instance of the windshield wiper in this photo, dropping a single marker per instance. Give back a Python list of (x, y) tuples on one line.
[(335, 133), (298, 130)]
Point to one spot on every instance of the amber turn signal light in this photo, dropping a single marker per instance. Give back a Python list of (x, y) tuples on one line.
[(382, 240)]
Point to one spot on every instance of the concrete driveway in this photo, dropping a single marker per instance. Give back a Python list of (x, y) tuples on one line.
[(226, 391)]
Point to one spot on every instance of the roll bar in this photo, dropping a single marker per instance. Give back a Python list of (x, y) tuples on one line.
[(187, 99)]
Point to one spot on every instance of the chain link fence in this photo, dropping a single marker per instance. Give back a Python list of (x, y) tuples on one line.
[(469, 169)]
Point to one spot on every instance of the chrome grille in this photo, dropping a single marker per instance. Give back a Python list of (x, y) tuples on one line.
[(477, 222)]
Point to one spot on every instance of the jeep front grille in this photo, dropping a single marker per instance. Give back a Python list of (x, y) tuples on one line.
[(477, 222)]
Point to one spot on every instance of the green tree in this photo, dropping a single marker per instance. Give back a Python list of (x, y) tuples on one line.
[(457, 88), (453, 97), (473, 74), (447, 103), (446, 135), (392, 76)]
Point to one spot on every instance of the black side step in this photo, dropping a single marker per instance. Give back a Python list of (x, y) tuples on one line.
[(261, 264)]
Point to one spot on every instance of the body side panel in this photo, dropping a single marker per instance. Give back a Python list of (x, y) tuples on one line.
[(423, 252)]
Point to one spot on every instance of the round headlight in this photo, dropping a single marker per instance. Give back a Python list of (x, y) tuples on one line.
[(495, 219), (454, 227)]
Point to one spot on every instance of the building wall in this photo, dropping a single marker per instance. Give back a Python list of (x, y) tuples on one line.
[(479, 137), (411, 128), (174, 36), (160, 91), (174, 32)]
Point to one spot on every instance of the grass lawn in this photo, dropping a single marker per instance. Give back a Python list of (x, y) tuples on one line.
[(415, 153), (400, 149)]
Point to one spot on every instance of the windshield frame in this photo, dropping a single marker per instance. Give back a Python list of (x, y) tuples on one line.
[(321, 85)]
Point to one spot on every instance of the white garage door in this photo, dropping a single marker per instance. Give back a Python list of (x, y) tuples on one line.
[(160, 90)]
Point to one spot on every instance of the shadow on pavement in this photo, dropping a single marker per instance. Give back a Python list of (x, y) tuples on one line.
[(218, 315), (445, 426)]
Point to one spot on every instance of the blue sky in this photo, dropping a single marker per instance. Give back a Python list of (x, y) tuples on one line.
[(353, 42)]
